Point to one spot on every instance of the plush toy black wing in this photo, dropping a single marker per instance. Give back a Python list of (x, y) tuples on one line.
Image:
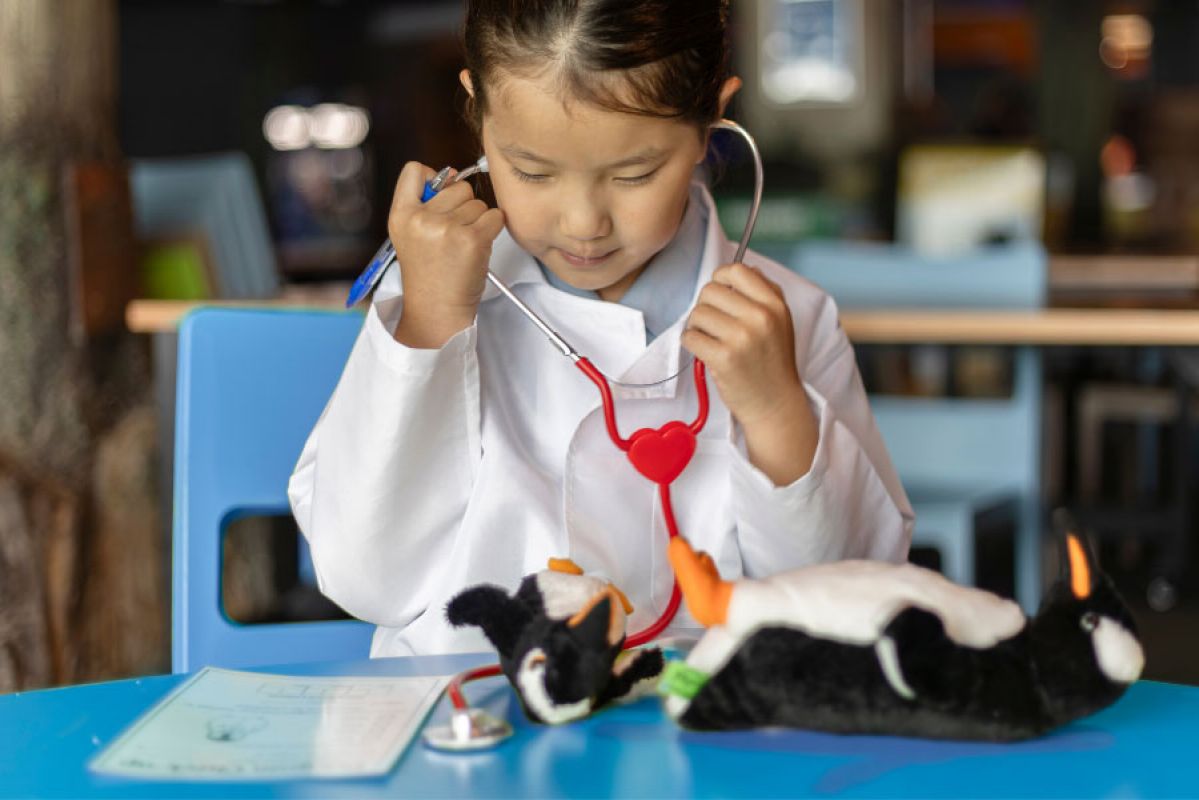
[(869, 647)]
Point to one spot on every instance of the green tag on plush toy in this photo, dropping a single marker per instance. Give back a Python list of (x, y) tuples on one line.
[(681, 680)]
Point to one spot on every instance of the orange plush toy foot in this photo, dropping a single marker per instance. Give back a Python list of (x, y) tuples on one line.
[(565, 565), (706, 594), (569, 567)]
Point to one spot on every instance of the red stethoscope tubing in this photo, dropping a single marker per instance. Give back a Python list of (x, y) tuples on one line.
[(672, 528), (701, 386), (454, 690)]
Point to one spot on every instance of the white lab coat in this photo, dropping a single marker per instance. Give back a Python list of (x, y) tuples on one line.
[(433, 470)]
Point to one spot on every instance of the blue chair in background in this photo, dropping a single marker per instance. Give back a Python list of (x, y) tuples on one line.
[(251, 384), (958, 457), (217, 198)]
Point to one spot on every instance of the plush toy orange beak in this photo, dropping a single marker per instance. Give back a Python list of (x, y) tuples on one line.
[(706, 594), (1080, 569)]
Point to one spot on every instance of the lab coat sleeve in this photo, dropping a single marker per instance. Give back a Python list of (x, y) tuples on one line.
[(850, 503), (382, 483)]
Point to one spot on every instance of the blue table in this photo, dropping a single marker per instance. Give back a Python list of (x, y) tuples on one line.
[(1142, 747)]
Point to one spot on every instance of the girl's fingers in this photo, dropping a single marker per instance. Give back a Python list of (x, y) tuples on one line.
[(750, 282), (728, 299), (411, 183), (449, 198), (468, 212), (704, 347), (476, 225), (714, 322), (490, 223), (766, 317)]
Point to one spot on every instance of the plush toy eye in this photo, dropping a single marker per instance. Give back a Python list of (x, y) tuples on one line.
[(537, 661), (1089, 621)]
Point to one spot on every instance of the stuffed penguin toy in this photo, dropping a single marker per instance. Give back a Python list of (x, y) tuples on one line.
[(868, 647), (560, 639)]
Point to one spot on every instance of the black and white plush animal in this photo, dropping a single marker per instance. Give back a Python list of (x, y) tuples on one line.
[(871, 647), (560, 640)]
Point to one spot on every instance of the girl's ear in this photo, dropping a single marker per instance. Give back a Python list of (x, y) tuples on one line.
[(464, 79), (730, 88)]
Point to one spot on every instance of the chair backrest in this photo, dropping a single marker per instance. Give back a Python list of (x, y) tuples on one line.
[(216, 196), (947, 442), (251, 385), (878, 275)]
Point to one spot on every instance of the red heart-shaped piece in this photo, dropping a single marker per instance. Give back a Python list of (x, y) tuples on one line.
[(662, 454)]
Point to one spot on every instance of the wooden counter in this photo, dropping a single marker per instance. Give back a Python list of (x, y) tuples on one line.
[(1051, 326)]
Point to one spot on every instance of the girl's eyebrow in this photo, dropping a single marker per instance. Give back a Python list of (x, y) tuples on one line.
[(644, 157)]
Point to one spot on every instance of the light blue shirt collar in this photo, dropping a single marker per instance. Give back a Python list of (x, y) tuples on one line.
[(663, 290)]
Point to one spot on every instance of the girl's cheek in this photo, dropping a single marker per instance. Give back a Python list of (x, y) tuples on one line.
[(653, 214), (543, 211), (508, 197), (525, 214)]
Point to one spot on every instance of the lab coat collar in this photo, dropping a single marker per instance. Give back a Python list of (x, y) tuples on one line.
[(511, 264), (665, 355)]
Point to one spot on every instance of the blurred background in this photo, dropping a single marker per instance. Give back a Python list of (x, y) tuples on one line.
[(975, 153)]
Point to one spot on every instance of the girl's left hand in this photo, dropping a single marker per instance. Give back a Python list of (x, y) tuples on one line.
[(741, 328)]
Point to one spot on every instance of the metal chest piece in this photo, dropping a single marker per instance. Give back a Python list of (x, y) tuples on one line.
[(468, 729)]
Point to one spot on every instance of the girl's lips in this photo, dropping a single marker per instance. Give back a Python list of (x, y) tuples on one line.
[(584, 261)]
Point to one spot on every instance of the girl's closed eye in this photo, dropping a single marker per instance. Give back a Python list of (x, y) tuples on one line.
[(631, 180), (529, 177), (637, 180)]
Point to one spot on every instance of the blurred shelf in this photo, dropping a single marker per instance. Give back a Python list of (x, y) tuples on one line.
[(1124, 281), (1124, 273), (1051, 326)]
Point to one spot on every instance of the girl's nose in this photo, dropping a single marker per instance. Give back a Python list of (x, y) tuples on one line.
[(584, 218)]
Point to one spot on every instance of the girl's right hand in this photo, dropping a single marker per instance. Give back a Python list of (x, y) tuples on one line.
[(443, 247)]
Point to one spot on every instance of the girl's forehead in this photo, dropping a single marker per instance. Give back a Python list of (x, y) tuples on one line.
[(535, 114), (544, 96)]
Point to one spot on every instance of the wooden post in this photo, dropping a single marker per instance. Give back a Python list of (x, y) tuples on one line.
[(1075, 104), (79, 541)]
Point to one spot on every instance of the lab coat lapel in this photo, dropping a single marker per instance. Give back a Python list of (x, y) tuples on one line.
[(610, 335), (511, 264), (665, 355)]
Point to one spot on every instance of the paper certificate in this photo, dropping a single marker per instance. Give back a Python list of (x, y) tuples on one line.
[(227, 725)]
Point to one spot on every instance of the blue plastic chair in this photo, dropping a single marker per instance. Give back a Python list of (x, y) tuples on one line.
[(251, 384), (957, 457)]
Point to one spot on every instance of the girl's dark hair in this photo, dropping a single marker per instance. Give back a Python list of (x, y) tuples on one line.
[(662, 58)]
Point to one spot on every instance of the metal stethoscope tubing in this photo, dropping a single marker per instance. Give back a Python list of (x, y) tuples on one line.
[(565, 347), (759, 179)]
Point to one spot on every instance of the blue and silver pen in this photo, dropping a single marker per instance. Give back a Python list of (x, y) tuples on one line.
[(386, 255)]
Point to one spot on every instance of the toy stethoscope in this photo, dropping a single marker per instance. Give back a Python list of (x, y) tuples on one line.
[(659, 454)]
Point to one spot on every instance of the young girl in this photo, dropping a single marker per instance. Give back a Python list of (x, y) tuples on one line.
[(460, 447)]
